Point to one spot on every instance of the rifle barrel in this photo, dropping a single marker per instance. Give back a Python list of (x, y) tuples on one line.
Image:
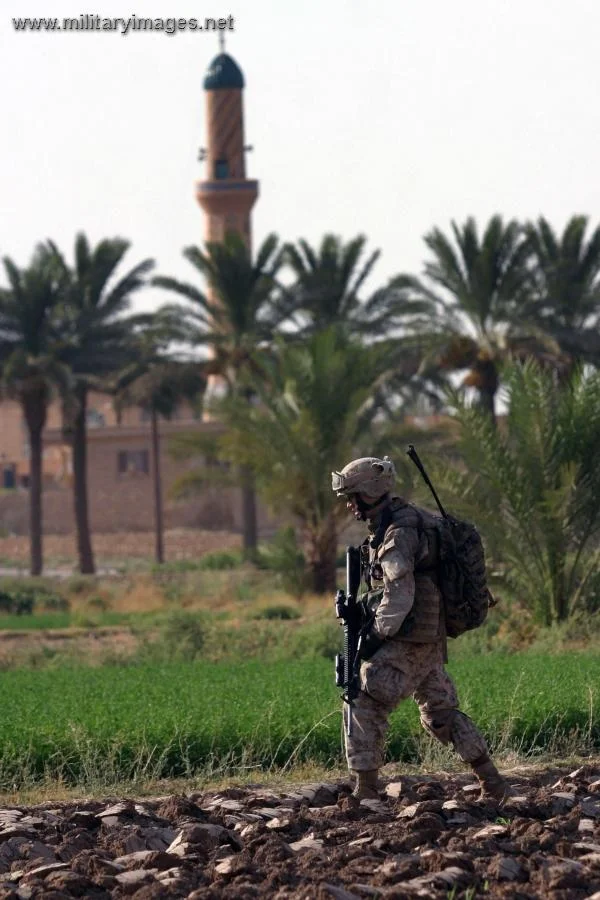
[(349, 719)]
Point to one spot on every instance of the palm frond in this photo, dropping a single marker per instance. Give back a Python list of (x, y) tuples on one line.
[(532, 483)]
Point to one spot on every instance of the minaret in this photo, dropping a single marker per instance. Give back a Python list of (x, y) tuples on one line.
[(226, 196)]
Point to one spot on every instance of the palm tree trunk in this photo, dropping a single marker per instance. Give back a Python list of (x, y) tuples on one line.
[(35, 500), (85, 553), (249, 523), (488, 403), (249, 517), (34, 406), (156, 477), (321, 557), (557, 570), (488, 386)]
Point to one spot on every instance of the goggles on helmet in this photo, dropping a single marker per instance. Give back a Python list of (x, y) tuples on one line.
[(338, 482)]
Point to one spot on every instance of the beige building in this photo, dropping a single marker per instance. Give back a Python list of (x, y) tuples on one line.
[(14, 447), (119, 473)]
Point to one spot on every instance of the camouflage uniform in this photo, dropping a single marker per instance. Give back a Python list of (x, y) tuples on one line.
[(410, 662)]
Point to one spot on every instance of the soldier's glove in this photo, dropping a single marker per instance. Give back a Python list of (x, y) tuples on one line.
[(368, 606), (367, 615), (370, 644)]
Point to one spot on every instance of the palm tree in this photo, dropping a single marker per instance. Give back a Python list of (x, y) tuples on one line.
[(565, 296), (29, 347), (533, 487), (158, 386), (240, 313), (315, 411), (476, 290), (328, 285), (98, 340)]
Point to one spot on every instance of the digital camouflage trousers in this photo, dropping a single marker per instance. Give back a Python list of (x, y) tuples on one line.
[(397, 671)]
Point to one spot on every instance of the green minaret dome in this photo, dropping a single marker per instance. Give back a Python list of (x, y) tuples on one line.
[(223, 73)]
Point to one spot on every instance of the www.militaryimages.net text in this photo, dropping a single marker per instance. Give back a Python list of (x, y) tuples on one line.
[(124, 26)]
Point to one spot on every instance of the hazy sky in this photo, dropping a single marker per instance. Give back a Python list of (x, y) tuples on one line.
[(384, 120)]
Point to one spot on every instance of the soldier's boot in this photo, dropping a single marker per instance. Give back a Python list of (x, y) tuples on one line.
[(366, 785), (493, 785)]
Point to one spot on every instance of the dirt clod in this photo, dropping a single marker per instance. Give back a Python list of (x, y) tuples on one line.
[(428, 839)]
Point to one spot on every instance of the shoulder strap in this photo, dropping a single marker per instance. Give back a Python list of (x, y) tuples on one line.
[(384, 524), (389, 523)]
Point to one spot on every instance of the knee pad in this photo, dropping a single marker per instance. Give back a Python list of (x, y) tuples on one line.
[(441, 724)]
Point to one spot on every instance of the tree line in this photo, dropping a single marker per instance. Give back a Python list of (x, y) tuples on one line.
[(317, 365)]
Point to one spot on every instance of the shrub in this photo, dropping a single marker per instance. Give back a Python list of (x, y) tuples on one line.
[(277, 612), (245, 591), (327, 639), (173, 592), (23, 598), (581, 629), (221, 559), (176, 567), (181, 638), (83, 619), (317, 639), (284, 557), (18, 603), (79, 584), (98, 603), (52, 603), (591, 593)]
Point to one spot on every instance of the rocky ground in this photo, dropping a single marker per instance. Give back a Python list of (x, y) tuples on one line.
[(428, 837)]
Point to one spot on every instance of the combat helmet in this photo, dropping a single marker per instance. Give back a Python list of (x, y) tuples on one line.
[(370, 476)]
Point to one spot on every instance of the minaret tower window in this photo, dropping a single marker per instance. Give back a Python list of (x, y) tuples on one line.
[(221, 169)]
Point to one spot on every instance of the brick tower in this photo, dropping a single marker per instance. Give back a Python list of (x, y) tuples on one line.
[(226, 196)]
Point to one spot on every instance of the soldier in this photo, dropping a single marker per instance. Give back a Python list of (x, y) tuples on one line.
[(405, 649)]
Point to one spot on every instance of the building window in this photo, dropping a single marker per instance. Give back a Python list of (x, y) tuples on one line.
[(9, 476), (132, 462), (213, 462), (221, 168), (95, 419)]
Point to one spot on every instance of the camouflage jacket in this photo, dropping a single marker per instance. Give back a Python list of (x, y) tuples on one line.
[(403, 555)]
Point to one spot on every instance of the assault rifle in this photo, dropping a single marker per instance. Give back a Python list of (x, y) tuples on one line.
[(349, 610)]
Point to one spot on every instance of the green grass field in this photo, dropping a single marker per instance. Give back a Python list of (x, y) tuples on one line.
[(179, 719), (50, 621)]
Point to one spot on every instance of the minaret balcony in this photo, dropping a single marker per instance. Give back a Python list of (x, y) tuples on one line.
[(227, 194), (226, 184)]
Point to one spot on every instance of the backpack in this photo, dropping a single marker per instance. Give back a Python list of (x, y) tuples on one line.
[(462, 576), (461, 567)]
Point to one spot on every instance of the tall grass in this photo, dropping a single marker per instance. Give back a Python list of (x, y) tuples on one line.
[(178, 719)]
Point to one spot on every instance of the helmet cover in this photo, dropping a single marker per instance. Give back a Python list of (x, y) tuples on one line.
[(369, 475)]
